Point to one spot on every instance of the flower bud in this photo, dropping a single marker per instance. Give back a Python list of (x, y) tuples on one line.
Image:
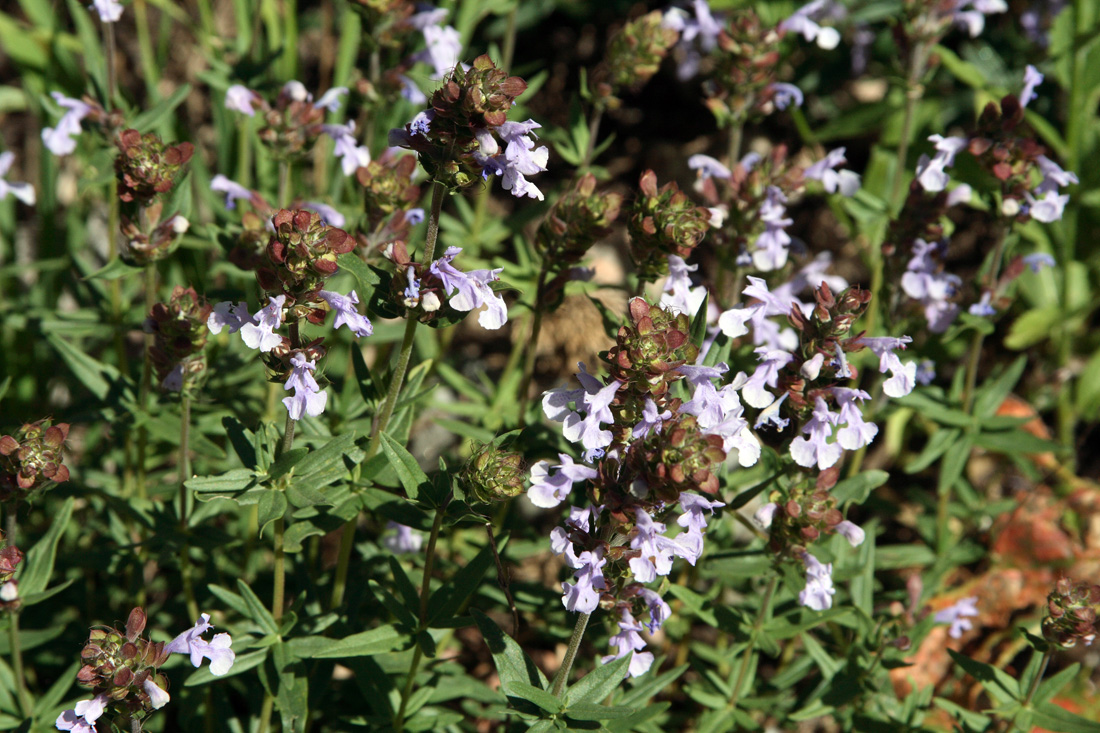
[(32, 458), (493, 474)]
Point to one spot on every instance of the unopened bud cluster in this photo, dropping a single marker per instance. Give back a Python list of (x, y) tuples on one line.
[(292, 125), (146, 167), (388, 189), (117, 663), (1072, 613), (493, 474), (10, 557), (179, 335), (663, 222), (577, 220), (746, 61), (31, 458), (634, 55), (648, 350), (300, 255)]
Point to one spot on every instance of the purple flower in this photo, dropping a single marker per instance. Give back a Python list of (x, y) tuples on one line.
[(770, 414), (982, 308), (583, 596), (856, 432), (216, 650), (817, 449), (708, 167), (549, 490), (651, 419), (61, 140), (346, 314), (766, 375), (772, 244), (330, 100), (1038, 260), (803, 21), (22, 191), (1049, 208), (228, 315), (847, 182), (471, 290), (656, 550), (296, 91), (109, 10), (656, 607), (931, 172), (403, 541), (587, 430), (352, 156), (309, 398), (259, 332), (414, 216), (819, 590), (1053, 175), (851, 532), (926, 372), (698, 33), (630, 640), (695, 509), (902, 376), (521, 157), (732, 322), (82, 718), (240, 98), (679, 295), (933, 289), (974, 20), (783, 94), (158, 698), (232, 190), (411, 92), (957, 614), (1032, 79)]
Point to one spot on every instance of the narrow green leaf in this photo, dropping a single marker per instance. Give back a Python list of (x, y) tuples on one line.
[(1052, 717), (114, 270), (256, 609), (364, 644), (511, 662), (40, 559), (857, 488), (405, 466), (589, 711), (449, 597), (595, 686), (149, 119), (994, 391), (530, 693)]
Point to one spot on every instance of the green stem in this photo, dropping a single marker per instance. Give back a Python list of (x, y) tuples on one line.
[(1031, 690), (746, 656), (244, 152), (532, 343), (184, 460), (593, 131), (425, 590), (562, 676), (145, 46), (112, 74), (150, 288), (284, 183), (25, 706), (913, 93), (347, 539), (509, 51), (733, 151)]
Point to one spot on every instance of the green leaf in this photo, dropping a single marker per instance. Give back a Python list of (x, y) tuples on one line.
[(591, 711), (964, 71), (405, 466), (363, 377), (98, 377), (405, 586), (857, 488), (699, 323), (236, 480), (530, 693), (365, 277), (1053, 685), (512, 664), (284, 463), (1033, 327), (994, 391), (1053, 717), (364, 644), (271, 506), (40, 559), (114, 270), (256, 609), (954, 461), (1001, 686), (595, 686), (449, 597), (149, 119)]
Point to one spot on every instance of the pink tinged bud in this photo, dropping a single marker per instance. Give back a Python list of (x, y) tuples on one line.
[(811, 368), (9, 591), (295, 91), (158, 698), (429, 302), (239, 99), (851, 532)]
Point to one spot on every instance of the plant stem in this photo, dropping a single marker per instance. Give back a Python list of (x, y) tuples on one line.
[(348, 537), (913, 93), (112, 75), (746, 656), (150, 288), (509, 51), (733, 152), (284, 183), (532, 343), (1031, 690), (570, 654), (593, 130), (425, 590), (145, 45), (25, 706), (184, 459)]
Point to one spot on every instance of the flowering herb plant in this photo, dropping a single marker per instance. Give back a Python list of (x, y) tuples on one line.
[(556, 366)]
